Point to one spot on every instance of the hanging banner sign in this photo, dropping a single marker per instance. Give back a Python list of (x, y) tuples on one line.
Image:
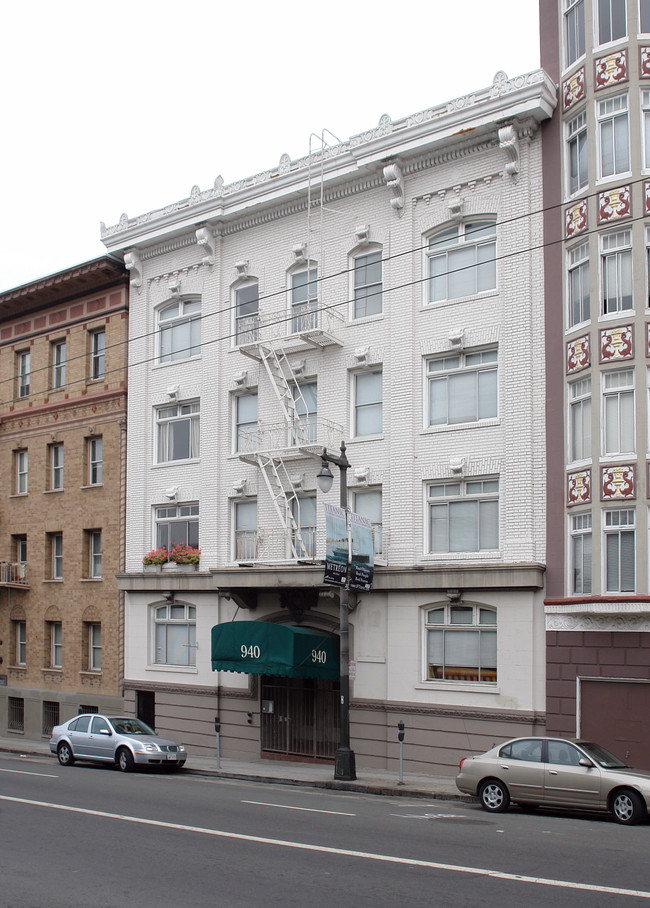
[(341, 564), (362, 563), (336, 556)]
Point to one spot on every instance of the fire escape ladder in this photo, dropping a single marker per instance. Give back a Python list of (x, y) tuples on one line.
[(285, 384), (283, 495)]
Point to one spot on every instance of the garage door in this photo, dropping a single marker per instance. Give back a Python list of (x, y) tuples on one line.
[(613, 713)]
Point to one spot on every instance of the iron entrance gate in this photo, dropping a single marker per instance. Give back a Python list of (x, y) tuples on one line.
[(300, 717)]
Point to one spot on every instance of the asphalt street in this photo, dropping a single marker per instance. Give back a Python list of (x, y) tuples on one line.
[(86, 835)]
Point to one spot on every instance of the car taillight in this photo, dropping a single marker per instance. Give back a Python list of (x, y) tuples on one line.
[(460, 765)]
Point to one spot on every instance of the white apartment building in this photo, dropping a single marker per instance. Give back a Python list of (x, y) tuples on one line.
[(386, 292)]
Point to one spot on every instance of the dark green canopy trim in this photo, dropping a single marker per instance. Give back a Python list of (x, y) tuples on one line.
[(263, 648)]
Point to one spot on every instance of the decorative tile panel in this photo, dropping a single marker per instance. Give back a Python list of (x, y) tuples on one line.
[(575, 219), (616, 343), (610, 69), (578, 354), (646, 197), (618, 482), (614, 204), (644, 63), (573, 90), (578, 488)]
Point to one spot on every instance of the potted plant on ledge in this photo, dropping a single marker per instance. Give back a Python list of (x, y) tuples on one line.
[(154, 560), (184, 557)]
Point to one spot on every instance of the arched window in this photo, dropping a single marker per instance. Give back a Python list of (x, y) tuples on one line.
[(179, 330), (461, 643), (367, 288), (247, 312), (462, 260)]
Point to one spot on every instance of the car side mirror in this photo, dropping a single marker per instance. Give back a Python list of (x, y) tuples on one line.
[(105, 731), (585, 762)]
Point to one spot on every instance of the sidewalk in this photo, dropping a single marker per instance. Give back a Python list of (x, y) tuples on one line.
[(312, 775)]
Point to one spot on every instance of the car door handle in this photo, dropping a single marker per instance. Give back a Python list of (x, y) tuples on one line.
[(552, 772)]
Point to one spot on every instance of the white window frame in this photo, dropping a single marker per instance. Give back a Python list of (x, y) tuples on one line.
[(450, 496), (24, 373), (97, 354), (604, 26), (56, 644), (95, 554), (170, 519), (303, 292), (578, 291), (247, 312), (461, 254), (368, 405), (306, 528), (577, 152), (367, 284), (57, 463), (168, 420), (480, 636), (246, 533), (574, 31), (21, 643), (618, 412), (22, 472), (247, 429), (96, 460), (179, 331), (473, 373), (94, 647), (179, 618), (305, 404), (580, 554), (619, 524), (56, 547), (579, 434), (616, 273), (613, 118), (58, 364), (369, 503)]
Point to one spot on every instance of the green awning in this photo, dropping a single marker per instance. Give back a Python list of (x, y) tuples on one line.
[(263, 648)]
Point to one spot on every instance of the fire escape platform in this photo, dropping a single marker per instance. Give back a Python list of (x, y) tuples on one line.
[(315, 338)]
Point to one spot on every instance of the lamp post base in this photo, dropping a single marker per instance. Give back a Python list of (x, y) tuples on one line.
[(345, 769)]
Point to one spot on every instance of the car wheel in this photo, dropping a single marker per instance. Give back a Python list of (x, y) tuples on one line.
[(494, 796), (125, 760), (627, 806), (64, 754)]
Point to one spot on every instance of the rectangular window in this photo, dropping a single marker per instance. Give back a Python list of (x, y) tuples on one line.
[(304, 515), (367, 284), (179, 328), (23, 373), (644, 16), (618, 412), (21, 459), (461, 644), (56, 644), (94, 549), (16, 714), (577, 143), (614, 136), (246, 535), (55, 546), (574, 30), (580, 420), (616, 271), (21, 642), (462, 260), (581, 553), (58, 364), (97, 354), (462, 388), (464, 516), (19, 548), (174, 630), (611, 20), (368, 504), (578, 273), (304, 300), (178, 432), (56, 467), (247, 314), (368, 403), (94, 647), (246, 425), (95, 460), (620, 551), (177, 524), (305, 401), (50, 716)]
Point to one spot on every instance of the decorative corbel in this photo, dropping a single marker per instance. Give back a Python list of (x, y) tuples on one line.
[(300, 252), (361, 355), (241, 379), (454, 596), (362, 233), (242, 268), (457, 338), (174, 287), (205, 238), (456, 465), (173, 391), (361, 475), (299, 367), (395, 184), (133, 263), (171, 493), (239, 486), (455, 209), (509, 141)]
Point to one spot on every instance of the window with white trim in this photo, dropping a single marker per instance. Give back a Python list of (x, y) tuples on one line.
[(94, 643), (179, 330), (616, 271), (574, 30), (178, 432), (368, 403), (174, 635), (95, 460), (21, 459), (613, 136), (23, 373), (368, 284), (580, 419), (612, 20), (618, 412), (462, 260), (581, 553), (620, 543), (58, 355), (368, 504), (304, 515), (56, 467), (461, 643), (246, 534), (304, 300), (247, 313), (97, 354), (55, 545), (578, 281), (305, 401), (176, 524), (56, 644), (577, 147), (463, 516), (246, 424), (21, 642), (462, 388), (94, 545)]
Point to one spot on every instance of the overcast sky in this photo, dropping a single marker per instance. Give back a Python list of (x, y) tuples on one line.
[(124, 106)]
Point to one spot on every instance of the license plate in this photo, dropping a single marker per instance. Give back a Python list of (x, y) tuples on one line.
[(172, 757)]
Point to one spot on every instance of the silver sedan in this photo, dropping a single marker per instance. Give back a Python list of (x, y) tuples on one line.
[(558, 773), (122, 740)]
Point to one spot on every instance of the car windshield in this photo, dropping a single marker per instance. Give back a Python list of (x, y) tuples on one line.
[(602, 756), (131, 727)]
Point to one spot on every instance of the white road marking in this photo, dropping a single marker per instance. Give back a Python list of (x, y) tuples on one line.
[(336, 813), (342, 852), (24, 772)]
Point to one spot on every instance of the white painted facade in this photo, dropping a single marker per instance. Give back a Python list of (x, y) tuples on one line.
[(387, 190)]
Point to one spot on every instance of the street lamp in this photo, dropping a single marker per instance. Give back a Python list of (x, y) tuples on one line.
[(344, 763)]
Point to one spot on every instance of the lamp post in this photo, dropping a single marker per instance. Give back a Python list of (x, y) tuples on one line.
[(344, 764)]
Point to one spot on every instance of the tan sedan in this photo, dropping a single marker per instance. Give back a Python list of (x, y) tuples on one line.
[(558, 773)]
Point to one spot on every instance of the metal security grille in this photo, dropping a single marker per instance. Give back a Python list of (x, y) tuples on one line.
[(16, 717), (50, 716), (300, 717)]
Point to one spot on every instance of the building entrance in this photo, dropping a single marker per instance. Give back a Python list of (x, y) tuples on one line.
[(299, 717)]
